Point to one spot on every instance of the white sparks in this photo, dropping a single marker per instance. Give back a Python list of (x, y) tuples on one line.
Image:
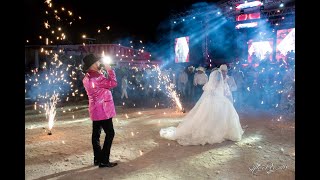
[(51, 110), (46, 25), (47, 1)]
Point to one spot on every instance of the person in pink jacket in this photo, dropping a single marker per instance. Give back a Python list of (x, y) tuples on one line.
[(97, 83)]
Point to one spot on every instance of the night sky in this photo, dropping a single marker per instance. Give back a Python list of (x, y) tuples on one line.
[(137, 19)]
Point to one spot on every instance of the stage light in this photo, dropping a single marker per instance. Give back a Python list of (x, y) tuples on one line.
[(219, 12), (249, 5), (281, 4), (174, 22), (106, 59), (230, 7), (247, 25), (194, 17), (182, 19)]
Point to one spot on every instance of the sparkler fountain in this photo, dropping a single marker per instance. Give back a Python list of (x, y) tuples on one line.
[(51, 111), (49, 84), (171, 92)]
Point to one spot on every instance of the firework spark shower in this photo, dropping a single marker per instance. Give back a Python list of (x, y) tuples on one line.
[(165, 79), (50, 108)]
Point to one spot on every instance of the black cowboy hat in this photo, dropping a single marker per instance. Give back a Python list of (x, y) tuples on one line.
[(88, 60)]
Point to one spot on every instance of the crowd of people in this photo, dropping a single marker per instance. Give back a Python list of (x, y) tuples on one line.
[(270, 85)]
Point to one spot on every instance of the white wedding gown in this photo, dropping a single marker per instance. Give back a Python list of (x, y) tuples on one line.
[(212, 120)]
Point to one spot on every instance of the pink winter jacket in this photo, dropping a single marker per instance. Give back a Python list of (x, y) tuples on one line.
[(101, 105)]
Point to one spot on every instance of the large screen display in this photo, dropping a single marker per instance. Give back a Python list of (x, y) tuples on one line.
[(246, 25), (181, 49), (285, 43), (248, 5), (244, 17), (259, 50)]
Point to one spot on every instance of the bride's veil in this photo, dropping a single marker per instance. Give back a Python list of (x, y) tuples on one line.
[(215, 82)]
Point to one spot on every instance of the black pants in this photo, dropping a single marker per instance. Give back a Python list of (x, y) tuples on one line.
[(102, 155)]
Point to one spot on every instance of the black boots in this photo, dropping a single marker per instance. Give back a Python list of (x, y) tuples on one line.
[(96, 162), (108, 164)]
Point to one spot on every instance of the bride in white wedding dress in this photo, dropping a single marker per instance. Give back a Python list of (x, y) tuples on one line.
[(212, 120)]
